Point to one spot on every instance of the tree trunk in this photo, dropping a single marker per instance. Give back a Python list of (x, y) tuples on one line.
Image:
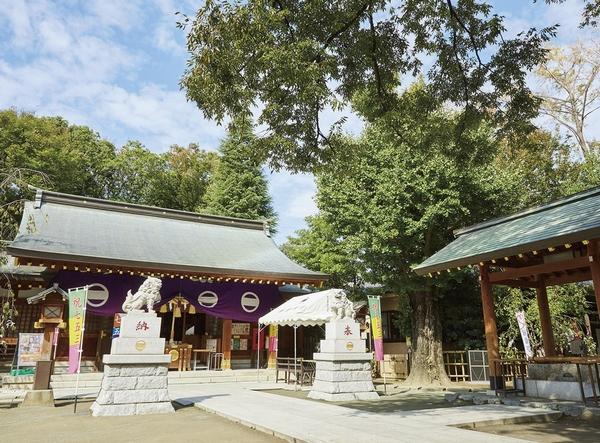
[(427, 364)]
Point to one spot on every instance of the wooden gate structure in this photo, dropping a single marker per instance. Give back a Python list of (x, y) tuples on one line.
[(553, 244)]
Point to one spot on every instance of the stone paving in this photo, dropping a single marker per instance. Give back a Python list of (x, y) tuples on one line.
[(302, 420)]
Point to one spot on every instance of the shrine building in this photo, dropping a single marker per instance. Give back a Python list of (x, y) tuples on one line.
[(219, 274)]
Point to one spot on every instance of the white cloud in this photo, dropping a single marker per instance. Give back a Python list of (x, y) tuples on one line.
[(79, 64), (16, 17)]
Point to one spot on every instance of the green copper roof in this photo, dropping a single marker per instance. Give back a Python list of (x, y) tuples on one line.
[(63, 227), (568, 220)]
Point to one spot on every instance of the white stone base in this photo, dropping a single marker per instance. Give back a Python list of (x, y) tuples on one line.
[(130, 388), (141, 359), (555, 390), (346, 396), (341, 387), (342, 356), (137, 346), (343, 380)]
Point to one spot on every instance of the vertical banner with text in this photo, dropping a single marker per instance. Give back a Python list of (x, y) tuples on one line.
[(524, 333), (375, 312), (77, 302)]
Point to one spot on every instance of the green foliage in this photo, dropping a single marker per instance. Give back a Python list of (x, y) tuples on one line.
[(239, 188), (176, 179), (189, 173), (301, 58), (319, 247), (568, 306), (48, 152), (138, 176), (403, 186)]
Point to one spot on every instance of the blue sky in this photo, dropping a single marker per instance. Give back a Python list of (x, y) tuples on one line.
[(115, 66)]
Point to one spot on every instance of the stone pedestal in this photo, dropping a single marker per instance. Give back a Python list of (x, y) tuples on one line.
[(343, 367), (135, 371)]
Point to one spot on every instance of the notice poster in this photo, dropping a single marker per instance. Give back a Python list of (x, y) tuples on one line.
[(77, 301), (376, 327), (243, 344), (116, 330), (240, 329), (272, 338), (211, 344), (30, 348), (524, 333)]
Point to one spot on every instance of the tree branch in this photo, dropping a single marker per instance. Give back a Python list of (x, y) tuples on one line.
[(380, 92), (454, 14), (346, 25)]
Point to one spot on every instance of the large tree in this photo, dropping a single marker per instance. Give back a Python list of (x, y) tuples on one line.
[(394, 201), (570, 90), (239, 188), (295, 60)]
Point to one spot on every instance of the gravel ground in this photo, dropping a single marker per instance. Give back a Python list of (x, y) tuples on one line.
[(52, 424)]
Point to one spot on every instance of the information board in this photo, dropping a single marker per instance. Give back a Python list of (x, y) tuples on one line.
[(30, 348)]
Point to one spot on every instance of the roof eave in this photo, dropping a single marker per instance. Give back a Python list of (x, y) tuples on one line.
[(309, 277), (588, 234)]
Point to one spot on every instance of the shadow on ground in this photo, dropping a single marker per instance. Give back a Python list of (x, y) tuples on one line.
[(566, 429), (406, 401)]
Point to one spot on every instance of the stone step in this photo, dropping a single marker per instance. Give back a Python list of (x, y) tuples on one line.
[(94, 380), (69, 384), (72, 377)]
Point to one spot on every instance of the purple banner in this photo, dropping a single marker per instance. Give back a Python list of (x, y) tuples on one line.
[(236, 301)]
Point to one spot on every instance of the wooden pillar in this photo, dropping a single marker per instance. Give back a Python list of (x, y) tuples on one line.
[(595, 270), (226, 344), (545, 320), (491, 331)]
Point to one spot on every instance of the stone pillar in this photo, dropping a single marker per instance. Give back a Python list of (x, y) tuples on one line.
[(343, 365), (226, 344), (135, 372)]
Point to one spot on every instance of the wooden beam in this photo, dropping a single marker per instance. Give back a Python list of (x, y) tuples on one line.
[(491, 331), (545, 320), (545, 268), (595, 270), (584, 275), (518, 283)]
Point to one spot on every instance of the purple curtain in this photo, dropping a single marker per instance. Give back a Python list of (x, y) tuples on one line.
[(236, 301)]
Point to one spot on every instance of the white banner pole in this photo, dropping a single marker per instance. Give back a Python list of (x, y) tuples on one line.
[(80, 351)]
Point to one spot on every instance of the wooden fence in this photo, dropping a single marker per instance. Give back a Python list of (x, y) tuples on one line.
[(456, 364)]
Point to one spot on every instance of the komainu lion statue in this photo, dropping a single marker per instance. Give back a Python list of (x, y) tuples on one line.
[(341, 307), (146, 296)]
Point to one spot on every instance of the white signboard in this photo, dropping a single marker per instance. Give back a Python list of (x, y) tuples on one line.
[(524, 334)]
